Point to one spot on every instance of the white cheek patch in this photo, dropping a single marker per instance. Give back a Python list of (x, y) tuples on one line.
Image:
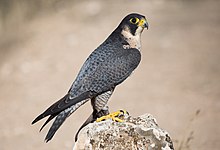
[(134, 41), (139, 30)]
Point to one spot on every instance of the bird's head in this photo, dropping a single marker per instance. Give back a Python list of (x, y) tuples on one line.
[(133, 23)]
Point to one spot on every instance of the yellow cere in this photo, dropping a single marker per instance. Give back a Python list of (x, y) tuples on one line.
[(142, 22)]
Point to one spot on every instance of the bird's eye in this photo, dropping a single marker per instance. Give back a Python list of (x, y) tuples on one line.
[(134, 20)]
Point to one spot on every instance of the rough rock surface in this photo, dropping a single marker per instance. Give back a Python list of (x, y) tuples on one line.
[(135, 133)]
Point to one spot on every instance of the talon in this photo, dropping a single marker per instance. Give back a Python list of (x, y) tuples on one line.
[(118, 120), (103, 118), (124, 112), (115, 116)]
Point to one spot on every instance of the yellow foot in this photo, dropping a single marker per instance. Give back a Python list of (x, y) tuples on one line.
[(115, 116)]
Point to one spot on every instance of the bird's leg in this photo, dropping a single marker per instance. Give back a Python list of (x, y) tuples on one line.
[(115, 116), (103, 112)]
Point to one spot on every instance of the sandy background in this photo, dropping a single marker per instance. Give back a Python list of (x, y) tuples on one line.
[(44, 43)]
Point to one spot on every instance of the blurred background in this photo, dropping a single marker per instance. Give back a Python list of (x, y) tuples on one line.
[(43, 44)]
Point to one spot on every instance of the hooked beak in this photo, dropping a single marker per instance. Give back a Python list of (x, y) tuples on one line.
[(143, 23)]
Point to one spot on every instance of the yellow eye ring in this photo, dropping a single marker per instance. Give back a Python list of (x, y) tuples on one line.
[(134, 20)]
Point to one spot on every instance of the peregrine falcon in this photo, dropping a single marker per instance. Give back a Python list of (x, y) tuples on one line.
[(106, 67)]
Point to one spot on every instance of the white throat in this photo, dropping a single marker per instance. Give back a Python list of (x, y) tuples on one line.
[(134, 41)]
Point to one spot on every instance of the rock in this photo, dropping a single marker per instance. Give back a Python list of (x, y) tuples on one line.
[(135, 133)]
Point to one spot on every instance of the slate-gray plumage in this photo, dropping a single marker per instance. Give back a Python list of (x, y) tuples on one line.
[(106, 67)]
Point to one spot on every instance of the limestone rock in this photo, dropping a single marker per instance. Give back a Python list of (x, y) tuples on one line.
[(135, 133)]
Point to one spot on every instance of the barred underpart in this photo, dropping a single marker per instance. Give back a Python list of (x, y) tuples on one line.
[(101, 100)]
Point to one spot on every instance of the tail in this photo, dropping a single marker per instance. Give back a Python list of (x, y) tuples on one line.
[(61, 117), (61, 105), (62, 109)]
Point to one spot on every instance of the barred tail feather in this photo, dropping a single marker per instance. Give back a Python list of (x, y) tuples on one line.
[(61, 117), (61, 105)]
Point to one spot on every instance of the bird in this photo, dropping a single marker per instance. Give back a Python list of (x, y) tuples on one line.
[(106, 67)]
